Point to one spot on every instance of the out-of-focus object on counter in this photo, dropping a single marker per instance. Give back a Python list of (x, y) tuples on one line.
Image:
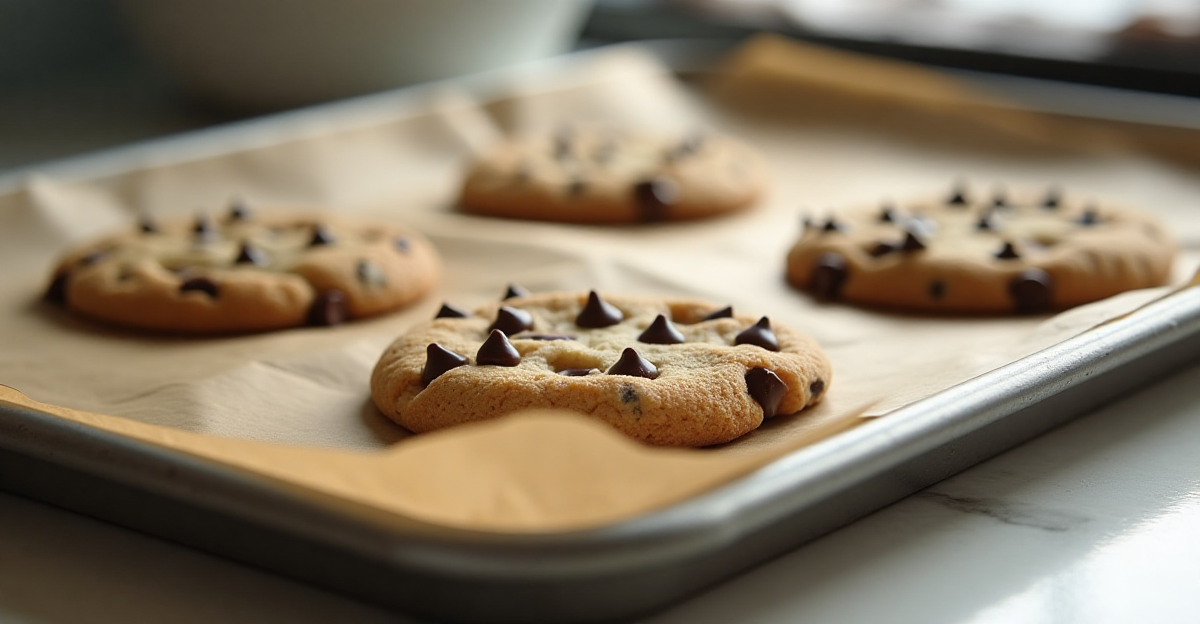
[(257, 55), (1150, 45)]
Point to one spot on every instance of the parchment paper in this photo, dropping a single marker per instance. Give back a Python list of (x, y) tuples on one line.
[(295, 405)]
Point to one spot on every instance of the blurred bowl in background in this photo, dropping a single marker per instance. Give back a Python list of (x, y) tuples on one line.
[(258, 55)]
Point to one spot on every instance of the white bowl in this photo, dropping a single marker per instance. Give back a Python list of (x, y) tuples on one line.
[(272, 54)]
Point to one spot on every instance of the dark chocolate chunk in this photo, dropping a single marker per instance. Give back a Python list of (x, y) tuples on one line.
[(937, 289), (829, 276), (766, 388), (497, 351), (832, 225), (320, 236), (725, 312), (1052, 200), (958, 196), (514, 290), (816, 388), (250, 254), (402, 244), (1009, 252), (598, 313), (438, 360), (576, 372), (449, 311), (1032, 291), (1089, 217), (328, 308), (146, 225), (544, 337), (654, 197), (661, 331), (370, 274), (202, 284), (912, 242), (238, 210), (882, 248), (759, 335), (633, 365), (512, 320), (56, 292)]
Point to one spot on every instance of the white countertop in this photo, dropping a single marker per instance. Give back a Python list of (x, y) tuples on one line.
[(1096, 522)]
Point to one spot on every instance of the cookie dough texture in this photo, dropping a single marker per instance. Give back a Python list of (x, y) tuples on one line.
[(591, 175), (244, 273), (703, 390), (965, 253)]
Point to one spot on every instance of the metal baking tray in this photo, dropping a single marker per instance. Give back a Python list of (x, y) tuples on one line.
[(603, 574)]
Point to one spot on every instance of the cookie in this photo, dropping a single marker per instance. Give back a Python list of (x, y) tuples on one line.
[(672, 372), (591, 175), (970, 253), (243, 273)]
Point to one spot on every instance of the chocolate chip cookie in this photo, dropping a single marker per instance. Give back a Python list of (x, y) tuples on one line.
[(966, 252), (591, 175), (663, 371), (242, 273)]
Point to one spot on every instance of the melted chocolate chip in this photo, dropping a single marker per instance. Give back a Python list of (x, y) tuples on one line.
[(633, 365), (598, 313), (514, 290), (328, 308), (829, 276), (958, 196), (402, 244), (882, 248), (912, 242), (512, 320), (759, 335), (654, 197), (56, 292), (815, 389), (576, 372), (449, 311), (438, 360), (1009, 252), (1052, 200), (250, 254), (725, 312), (766, 388), (497, 351), (147, 226), (238, 211), (1032, 291), (661, 331), (370, 274), (320, 236), (937, 289), (202, 284), (544, 337)]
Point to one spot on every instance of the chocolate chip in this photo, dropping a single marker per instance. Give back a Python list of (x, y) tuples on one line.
[(238, 210), (937, 289), (56, 292), (816, 388), (370, 274), (576, 187), (449, 311), (1089, 217), (203, 228), (986, 223), (759, 335), (654, 197), (328, 308), (576, 372), (912, 242), (628, 394), (544, 337), (766, 388), (882, 248), (806, 222), (1052, 200), (829, 276), (661, 331), (320, 236), (598, 313), (725, 312), (202, 284), (1009, 252), (958, 196), (402, 244), (497, 351), (633, 365), (832, 225), (438, 360), (887, 214), (250, 255), (512, 320), (999, 199), (1032, 291), (514, 290), (147, 226)]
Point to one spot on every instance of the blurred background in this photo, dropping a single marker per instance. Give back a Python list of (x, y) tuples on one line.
[(81, 75)]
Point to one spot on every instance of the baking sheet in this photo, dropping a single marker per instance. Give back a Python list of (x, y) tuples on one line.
[(294, 405)]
